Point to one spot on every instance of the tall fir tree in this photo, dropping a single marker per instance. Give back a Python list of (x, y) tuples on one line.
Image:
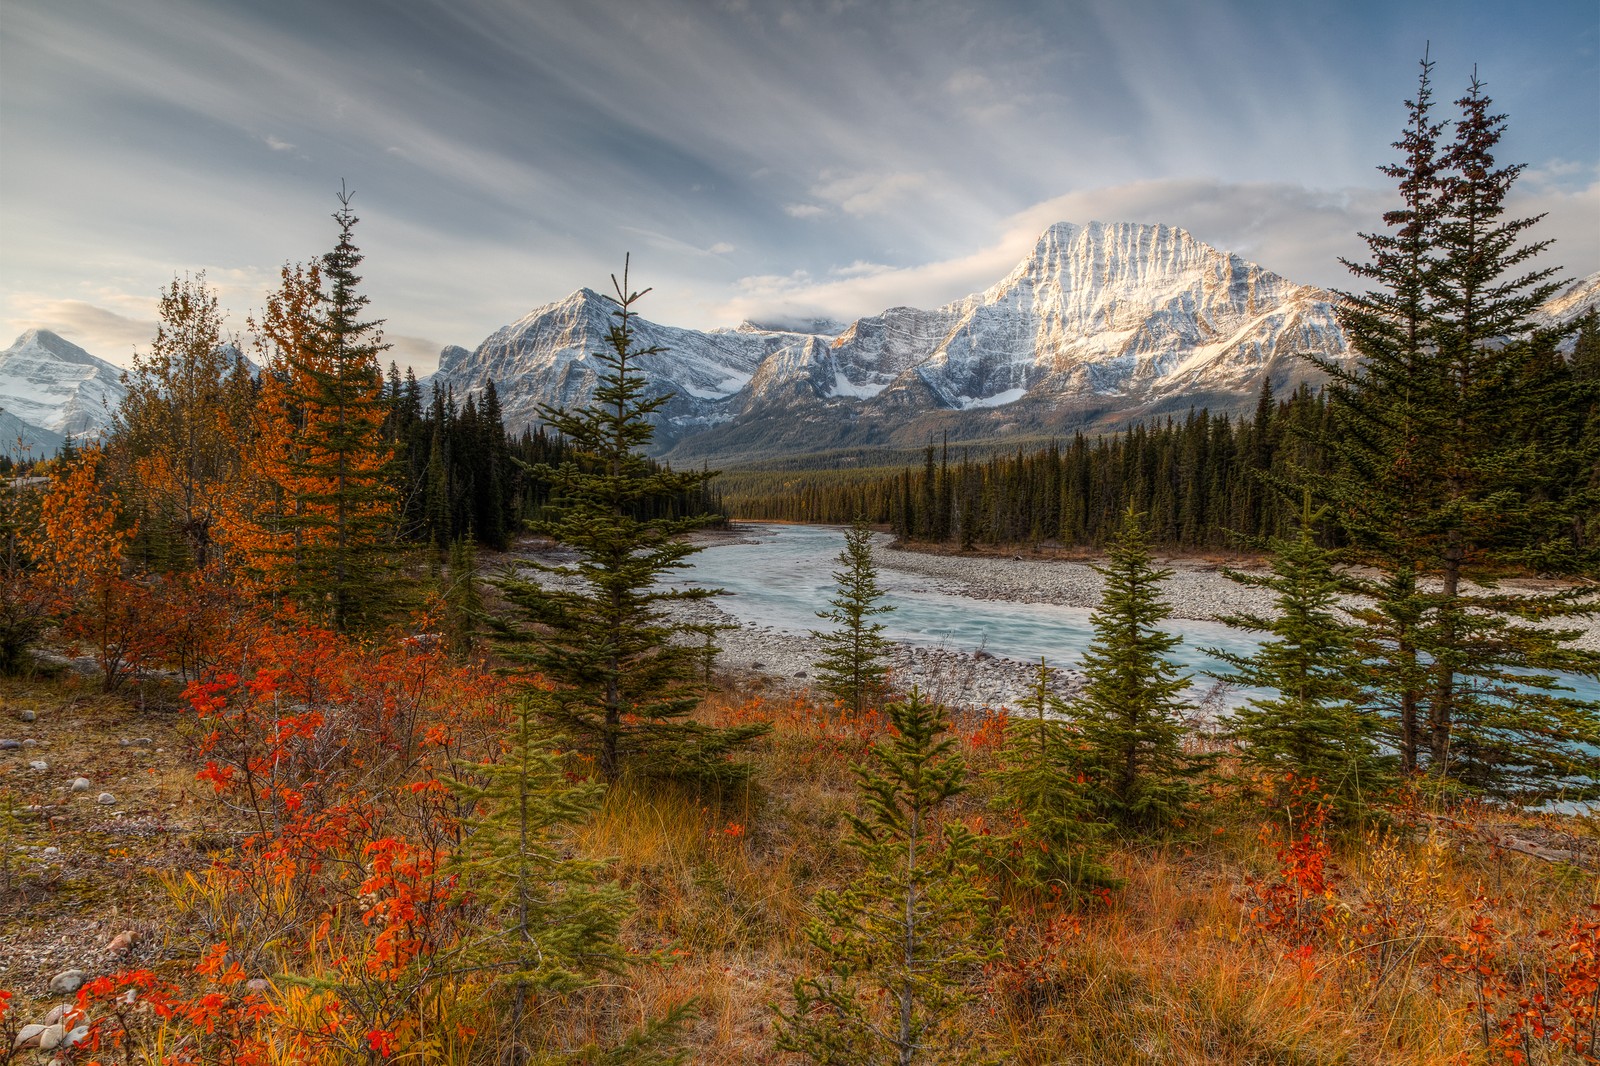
[(898, 944), (327, 512), (602, 631), (1457, 435), (1385, 417), (1130, 713), (852, 667)]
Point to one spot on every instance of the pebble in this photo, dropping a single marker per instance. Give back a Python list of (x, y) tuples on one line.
[(28, 716), (29, 742), (81, 784), (52, 1037), (122, 942), (51, 853), (105, 799), (29, 1036), (66, 982), (10, 745), (61, 1012), (38, 764)]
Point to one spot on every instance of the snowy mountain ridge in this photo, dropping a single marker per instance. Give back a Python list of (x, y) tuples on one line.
[(1098, 317)]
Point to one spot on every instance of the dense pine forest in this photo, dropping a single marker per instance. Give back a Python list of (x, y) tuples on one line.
[(288, 777)]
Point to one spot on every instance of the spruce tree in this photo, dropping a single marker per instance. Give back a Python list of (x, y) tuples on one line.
[(1385, 424), (550, 921), (1129, 713), (602, 629), (1457, 436), (461, 599), (1314, 725), (898, 944), (1055, 842), (852, 666)]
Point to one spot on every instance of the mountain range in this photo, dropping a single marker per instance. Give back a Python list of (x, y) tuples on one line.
[(1099, 326)]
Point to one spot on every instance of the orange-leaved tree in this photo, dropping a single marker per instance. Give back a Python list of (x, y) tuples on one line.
[(180, 428), (79, 546)]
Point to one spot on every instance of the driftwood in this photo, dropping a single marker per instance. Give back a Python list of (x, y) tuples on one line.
[(1493, 837)]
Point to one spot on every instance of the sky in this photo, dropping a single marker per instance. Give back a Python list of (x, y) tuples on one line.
[(772, 162)]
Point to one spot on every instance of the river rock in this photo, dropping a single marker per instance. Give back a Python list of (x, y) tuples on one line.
[(81, 784), (105, 799), (39, 764), (28, 716), (122, 942), (29, 1036), (10, 745), (66, 982)]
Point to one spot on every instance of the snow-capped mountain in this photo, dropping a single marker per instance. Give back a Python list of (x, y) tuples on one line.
[(1102, 319), (1576, 300), (548, 358), (54, 385)]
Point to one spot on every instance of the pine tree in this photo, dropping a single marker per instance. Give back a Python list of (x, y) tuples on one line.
[(1314, 725), (24, 600), (604, 636), (1385, 426), (551, 920), (852, 666), (352, 503), (461, 599), (1055, 843), (898, 944), (1457, 437), (1129, 712)]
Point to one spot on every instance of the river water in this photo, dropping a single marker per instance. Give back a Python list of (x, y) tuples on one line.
[(786, 577)]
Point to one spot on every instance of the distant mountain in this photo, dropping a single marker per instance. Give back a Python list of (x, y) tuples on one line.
[(24, 440), (1101, 322), (1578, 299), (54, 385)]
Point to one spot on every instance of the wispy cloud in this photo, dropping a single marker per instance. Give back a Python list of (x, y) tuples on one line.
[(867, 194), (1290, 229), (505, 154), (98, 330)]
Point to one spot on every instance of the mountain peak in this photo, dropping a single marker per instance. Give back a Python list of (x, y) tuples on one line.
[(51, 383), (56, 345)]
